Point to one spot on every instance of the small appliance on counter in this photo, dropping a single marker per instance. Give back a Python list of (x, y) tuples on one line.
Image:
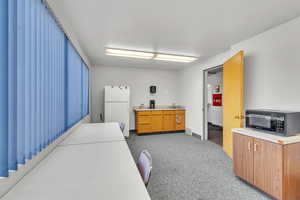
[(285, 123), (152, 104)]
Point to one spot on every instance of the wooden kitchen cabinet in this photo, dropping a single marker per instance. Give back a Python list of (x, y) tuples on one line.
[(169, 121), (243, 157), (268, 168), (180, 120), (157, 121), (271, 167), (148, 121), (291, 171)]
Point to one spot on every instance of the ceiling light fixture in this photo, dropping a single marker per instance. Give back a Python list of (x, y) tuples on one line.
[(175, 58), (149, 55), (129, 53)]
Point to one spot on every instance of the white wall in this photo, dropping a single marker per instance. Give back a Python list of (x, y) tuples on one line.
[(215, 113), (272, 69), (139, 81)]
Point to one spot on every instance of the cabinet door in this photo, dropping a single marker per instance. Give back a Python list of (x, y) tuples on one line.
[(268, 167), (157, 123), (169, 122), (291, 175), (243, 157), (180, 122)]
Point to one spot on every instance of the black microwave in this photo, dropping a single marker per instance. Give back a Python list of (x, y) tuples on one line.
[(285, 123)]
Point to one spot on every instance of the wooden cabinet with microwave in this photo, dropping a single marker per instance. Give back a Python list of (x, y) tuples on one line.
[(147, 121), (271, 167)]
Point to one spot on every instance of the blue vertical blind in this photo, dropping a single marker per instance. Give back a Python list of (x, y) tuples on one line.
[(43, 84), (74, 86), (85, 90), (12, 85), (77, 86), (4, 88)]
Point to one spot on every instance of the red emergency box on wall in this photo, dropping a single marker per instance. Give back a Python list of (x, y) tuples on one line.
[(217, 99)]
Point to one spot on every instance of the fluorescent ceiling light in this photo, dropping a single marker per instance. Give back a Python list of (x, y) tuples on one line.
[(149, 55), (129, 53), (173, 58)]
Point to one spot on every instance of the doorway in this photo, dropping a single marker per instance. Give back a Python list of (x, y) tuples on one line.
[(232, 99), (213, 104)]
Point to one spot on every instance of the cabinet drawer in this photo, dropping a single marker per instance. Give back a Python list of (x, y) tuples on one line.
[(144, 119), (141, 113), (169, 112), (144, 128), (157, 112)]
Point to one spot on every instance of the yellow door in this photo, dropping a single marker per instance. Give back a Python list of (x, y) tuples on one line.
[(233, 100)]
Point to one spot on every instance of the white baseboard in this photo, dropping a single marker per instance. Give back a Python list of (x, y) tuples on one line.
[(15, 176), (188, 131), (220, 125)]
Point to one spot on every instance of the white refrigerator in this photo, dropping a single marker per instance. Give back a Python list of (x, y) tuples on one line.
[(117, 106)]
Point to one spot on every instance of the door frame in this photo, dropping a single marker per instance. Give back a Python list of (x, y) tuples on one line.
[(205, 96)]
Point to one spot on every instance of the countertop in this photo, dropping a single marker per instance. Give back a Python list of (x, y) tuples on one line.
[(267, 136), (159, 108), (95, 170), (94, 133)]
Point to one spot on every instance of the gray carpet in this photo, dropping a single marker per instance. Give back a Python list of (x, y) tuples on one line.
[(186, 168)]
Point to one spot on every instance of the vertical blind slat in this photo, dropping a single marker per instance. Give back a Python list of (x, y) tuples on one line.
[(66, 94), (12, 85), (20, 81), (32, 79), (42, 67), (4, 88), (47, 81), (38, 78), (27, 81)]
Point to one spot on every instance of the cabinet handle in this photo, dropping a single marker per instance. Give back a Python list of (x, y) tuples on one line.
[(239, 117), (178, 119), (236, 117), (249, 146), (255, 147)]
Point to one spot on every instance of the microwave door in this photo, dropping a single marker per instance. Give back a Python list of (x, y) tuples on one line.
[(260, 121)]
